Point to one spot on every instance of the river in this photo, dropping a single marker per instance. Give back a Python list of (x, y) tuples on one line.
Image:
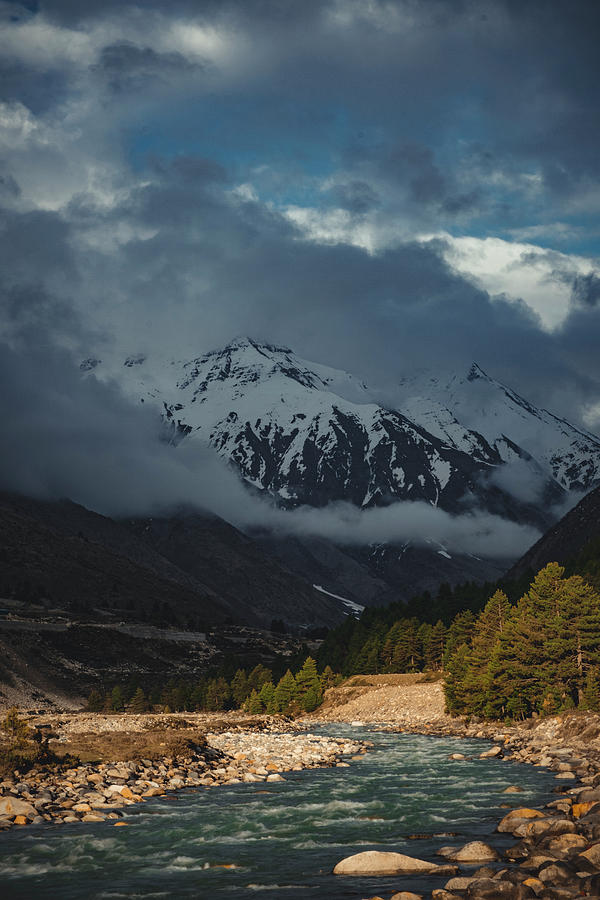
[(282, 839)]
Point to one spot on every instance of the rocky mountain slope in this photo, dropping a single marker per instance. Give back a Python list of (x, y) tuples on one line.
[(565, 540), (191, 571)]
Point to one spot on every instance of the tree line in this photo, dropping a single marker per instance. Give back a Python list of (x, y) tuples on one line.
[(502, 657), (255, 691)]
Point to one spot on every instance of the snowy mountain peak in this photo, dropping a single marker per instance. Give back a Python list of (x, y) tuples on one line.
[(307, 433), (475, 372)]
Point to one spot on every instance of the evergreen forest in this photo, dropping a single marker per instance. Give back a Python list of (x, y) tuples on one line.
[(506, 651)]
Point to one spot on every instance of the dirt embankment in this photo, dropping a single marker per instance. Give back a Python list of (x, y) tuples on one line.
[(402, 700)]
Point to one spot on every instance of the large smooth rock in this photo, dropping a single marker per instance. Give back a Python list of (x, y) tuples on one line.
[(473, 852), (567, 843), (511, 819), (406, 895), (12, 806), (592, 856), (492, 889), (491, 753), (376, 862), (545, 826)]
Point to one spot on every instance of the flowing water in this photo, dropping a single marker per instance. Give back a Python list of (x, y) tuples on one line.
[(282, 839)]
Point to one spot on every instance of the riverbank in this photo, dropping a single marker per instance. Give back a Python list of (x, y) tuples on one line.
[(557, 854), (133, 758)]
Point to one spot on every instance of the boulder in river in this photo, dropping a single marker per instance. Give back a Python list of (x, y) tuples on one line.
[(406, 895), (510, 821), (473, 852), (377, 862)]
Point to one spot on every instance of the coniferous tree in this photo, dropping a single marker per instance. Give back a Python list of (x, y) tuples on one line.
[(434, 653), (591, 690), (285, 693), (117, 703), (423, 639), (258, 676), (308, 686), (486, 632), (266, 697), (328, 678), (139, 703), (454, 690), (253, 704), (407, 656), (239, 687), (460, 632), (95, 701)]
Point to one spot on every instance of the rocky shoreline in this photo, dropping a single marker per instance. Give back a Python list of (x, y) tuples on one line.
[(102, 791), (556, 854), (557, 851)]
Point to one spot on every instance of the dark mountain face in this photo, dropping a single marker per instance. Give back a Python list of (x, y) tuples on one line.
[(191, 570), (565, 540), (252, 583)]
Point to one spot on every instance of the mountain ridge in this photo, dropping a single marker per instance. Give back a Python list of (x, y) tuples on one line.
[(308, 434)]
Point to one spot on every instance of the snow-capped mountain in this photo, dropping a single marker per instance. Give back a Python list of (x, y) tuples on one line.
[(474, 412), (310, 434)]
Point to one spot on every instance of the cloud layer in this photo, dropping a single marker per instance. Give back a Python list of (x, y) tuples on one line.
[(382, 186)]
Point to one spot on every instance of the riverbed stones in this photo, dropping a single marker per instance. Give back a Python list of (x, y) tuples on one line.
[(378, 862), (94, 793)]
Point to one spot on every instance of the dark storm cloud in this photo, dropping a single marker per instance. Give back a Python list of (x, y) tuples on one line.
[(126, 67), (355, 196), (424, 114), (586, 289), (76, 437)]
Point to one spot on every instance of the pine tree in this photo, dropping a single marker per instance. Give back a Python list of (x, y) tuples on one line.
[(486, 633), (139, 703), (117, 703), (258, 676), (328, 678), (197, 696), (253, 704), (285, 693), (434, 653), (591, 690), (95, 701), (407, 656), (308, 685), (217, 694), (389, 645), (423, 639), (266, 697), (456, 668), (239, 687), (460, 631)]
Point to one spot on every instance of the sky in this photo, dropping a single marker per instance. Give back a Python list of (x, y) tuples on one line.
[(382, 185)]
